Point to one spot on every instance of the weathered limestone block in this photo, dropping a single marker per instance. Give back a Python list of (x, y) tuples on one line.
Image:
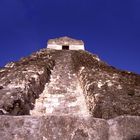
[(124, 128), (52, 128)]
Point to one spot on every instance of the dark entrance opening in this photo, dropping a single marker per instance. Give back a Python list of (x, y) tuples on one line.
[(65, 47)]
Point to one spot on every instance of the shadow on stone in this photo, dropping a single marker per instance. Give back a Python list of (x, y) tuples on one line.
[(135, 138), (80, 134)]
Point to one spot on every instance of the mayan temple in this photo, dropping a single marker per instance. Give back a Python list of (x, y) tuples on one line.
[(63, 92)]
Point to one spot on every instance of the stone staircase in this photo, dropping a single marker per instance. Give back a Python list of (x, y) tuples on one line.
[(63, 94)]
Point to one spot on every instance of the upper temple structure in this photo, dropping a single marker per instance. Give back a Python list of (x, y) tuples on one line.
[(65, 43)]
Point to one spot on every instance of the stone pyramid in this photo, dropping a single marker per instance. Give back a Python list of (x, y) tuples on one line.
[(68, 95)]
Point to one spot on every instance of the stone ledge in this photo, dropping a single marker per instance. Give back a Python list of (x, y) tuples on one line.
[(52, 127), (68, 128)]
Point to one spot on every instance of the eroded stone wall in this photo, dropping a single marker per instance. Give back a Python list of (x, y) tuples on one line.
[(109, 92), (21, 83), (69, 128)]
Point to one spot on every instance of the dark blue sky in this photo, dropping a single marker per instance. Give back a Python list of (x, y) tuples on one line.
[(109, 28)]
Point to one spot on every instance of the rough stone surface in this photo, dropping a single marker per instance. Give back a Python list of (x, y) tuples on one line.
[(109, 92), (63, 94), (69, 128), (22, 82), (124, 128), (76, 95), (52, 128)]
